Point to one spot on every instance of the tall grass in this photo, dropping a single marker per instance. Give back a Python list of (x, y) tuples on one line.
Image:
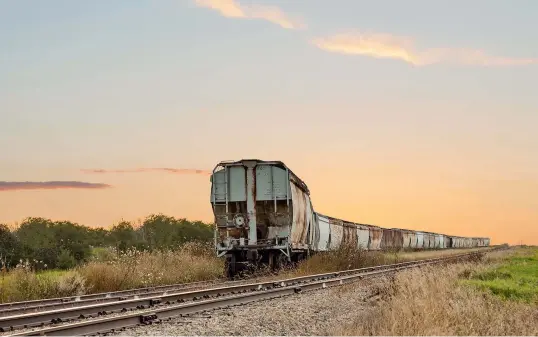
[(432, 301), (347, 257), (23, 283), (111, 270), (134, 269)]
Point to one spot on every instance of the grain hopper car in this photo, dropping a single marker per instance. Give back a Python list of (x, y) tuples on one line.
[(264, 215)]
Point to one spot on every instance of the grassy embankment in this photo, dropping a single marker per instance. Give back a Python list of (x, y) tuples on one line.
[(496, 296), (109, 271)]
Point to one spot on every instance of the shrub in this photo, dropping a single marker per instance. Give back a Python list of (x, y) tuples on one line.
[(66, 260)]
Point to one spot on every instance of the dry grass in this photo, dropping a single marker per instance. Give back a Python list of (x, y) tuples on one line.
[(135, 269), (112, 272), (432, 301), (350, 258), (430, 254), (24, 284)]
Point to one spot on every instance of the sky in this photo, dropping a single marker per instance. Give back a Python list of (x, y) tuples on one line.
[(412, 114)]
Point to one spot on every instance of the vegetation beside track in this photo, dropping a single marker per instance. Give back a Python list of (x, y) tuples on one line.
[(515, 278), (112, 270), (457, 299)]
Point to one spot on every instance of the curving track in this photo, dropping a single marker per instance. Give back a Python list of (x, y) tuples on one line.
[(187, 302)]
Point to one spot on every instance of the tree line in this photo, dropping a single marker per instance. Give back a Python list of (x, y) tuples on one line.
[(64, 244)]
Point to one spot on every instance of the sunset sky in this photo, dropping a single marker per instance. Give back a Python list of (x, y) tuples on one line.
[(409, 114)]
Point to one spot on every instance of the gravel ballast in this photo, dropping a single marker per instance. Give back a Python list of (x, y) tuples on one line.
[(317, 312)]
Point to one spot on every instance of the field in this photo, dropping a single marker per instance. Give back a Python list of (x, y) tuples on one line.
[(109, 270)]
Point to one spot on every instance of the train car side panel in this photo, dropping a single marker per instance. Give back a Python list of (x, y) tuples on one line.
[(302, 217), (349, 237), (420, 240), (363, 237), (337, 233), (324, 233), (413, 239), (376, 236)]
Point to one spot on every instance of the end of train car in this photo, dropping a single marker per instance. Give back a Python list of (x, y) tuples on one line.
[(262, 213)]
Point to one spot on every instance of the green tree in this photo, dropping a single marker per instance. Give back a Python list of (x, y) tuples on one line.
[(161, 231), (66, 260), (73, 238), (10, 247), (123, 235), (38, 241)]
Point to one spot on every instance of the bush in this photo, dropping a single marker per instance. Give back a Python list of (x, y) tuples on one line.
[(66, 260)]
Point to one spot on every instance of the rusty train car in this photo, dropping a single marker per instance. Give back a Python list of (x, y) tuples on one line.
[(264, 215)]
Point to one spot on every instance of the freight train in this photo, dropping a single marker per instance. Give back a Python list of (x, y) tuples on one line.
[(264, 215)]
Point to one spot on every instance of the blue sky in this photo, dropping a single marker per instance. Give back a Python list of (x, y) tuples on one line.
[(128, 84)]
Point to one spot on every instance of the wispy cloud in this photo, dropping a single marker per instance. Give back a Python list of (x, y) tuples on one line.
[(386, 46), (233, 9), (140, 170), (48, 185)]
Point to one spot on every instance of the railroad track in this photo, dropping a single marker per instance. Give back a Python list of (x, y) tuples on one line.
[(155, 309), (24, 307), (14, 308)]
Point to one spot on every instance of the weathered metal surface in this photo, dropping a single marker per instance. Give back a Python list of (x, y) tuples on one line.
[(446, 243), (376, 235), (431, 240), (337, 233), (271, 183), (392, 238), (398, 238), (251, 204), (302, 215), (363, 237), (437, 240), (229, 184), (313, 241), (324, 231), (420, 240), (426, 240), (413, 239), (406, 238), (349, 237)]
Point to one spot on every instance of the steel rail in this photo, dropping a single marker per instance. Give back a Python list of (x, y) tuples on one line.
[(112, 297), (109, 297), (159, 314), (62, 315), (101, 296)]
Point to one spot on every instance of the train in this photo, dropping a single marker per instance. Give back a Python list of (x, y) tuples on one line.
[(263, 214)]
